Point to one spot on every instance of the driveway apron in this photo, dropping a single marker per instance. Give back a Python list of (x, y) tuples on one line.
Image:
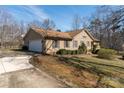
[(9, 64)]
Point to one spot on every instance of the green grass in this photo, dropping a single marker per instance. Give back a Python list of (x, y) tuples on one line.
[(112, 69), (112, 82), (107, 67)]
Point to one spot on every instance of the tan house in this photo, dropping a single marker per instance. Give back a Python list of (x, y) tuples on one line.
[(57, 40)]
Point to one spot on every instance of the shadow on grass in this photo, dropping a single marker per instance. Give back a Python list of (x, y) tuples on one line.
[(109, 59), (92, 63), (121, 59)]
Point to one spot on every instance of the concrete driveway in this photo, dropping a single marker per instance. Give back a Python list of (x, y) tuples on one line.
[(8, 64), (17, 72)]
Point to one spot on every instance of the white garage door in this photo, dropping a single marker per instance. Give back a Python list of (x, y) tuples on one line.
[(35, 45)]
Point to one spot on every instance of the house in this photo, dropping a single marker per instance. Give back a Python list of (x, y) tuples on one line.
[(57, 40)]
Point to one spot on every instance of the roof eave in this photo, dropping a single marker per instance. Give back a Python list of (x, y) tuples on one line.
[(58, 38)]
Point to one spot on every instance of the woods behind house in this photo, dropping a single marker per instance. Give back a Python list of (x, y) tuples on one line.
[(106, 24), (10, 31)]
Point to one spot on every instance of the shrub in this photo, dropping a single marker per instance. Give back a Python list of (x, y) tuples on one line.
[(61, 52), (95, 50), (69, 51), (78, 52), (106, 53), (65, 52), (73, 52), (24, 47), (82, 48), (123, 56)]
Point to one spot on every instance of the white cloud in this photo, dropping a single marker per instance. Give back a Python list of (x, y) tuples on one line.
[(38, 12), (27, 13)]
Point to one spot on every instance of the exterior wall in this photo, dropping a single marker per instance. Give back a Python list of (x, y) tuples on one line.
[(50, 47), (79, 37), (31, 35), (84, 37)]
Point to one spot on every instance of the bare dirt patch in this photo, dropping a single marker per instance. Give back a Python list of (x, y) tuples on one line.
[(84, 71), (70, 75)]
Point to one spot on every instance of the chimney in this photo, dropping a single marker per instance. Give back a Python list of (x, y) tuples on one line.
[(58, 30)]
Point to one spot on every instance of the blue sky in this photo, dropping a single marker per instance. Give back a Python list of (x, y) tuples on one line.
[(61, 15)]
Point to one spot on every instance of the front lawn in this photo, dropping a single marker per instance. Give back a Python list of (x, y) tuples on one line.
[(103, 65), (83, 71)]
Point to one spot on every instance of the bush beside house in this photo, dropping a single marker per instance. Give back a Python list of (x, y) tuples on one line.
[(106, 53), (123, 56), (67, 52), (24, 47), (95, 50), (81, 50)]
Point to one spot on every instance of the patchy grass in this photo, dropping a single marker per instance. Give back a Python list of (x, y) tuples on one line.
[(112, 69), (99, 62), (68, 74), (84, 71), (108, 67), (112, 82)]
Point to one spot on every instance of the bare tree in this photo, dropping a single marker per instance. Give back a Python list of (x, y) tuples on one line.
[(85, 22), (48, 24), (35, 23), (107, 24), (5, 22), (76, 24), (96, 28), (9, 30)]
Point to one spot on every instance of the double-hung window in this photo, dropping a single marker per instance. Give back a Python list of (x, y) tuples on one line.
[(56, 44), (75, 44), (66, 44)]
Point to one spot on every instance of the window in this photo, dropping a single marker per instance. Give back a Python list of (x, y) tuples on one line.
[(88, 43), (66, 43), (56, 44), (75, 44)]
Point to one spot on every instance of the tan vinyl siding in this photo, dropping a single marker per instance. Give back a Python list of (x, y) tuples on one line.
[(31, 35), (81, 37)]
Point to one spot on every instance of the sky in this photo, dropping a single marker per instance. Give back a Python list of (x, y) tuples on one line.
[(62, 15)]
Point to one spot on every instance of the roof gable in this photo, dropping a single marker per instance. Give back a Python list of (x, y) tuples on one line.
[(74, 33)]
